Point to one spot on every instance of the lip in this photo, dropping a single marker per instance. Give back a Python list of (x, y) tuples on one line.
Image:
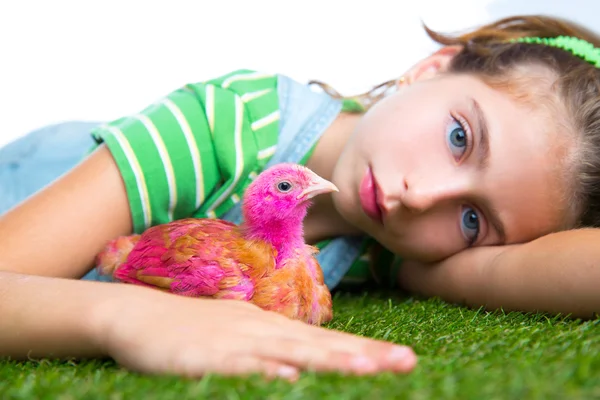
[(367, 194)]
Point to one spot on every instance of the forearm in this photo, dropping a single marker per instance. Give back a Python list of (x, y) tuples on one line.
[(558, 273), (55, 317)]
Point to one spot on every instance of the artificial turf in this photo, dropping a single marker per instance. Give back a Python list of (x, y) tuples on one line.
[(463, 354)]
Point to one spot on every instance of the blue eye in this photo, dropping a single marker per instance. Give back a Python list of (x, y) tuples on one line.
[(457, 138), (469, 224)]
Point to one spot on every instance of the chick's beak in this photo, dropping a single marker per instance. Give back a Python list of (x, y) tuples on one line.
[(317, 186)]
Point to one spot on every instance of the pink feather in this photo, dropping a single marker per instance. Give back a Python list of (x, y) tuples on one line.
[(265, 260)]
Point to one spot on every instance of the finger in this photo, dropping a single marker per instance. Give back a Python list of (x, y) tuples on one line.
[(197, 363), (246, 365), (274, 369), (388, 356), (313, 356)]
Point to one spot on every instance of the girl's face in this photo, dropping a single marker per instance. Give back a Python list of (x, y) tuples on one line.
[(449, 163)]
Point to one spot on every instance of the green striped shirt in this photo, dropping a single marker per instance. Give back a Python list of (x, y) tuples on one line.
[(194, 152)]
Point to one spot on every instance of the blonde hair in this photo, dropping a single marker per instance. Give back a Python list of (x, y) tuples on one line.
[(367, 99)]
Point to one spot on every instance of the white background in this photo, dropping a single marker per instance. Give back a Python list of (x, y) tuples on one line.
[(97, 60)]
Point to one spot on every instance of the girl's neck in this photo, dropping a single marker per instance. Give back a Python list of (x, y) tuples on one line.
[(323, 220)]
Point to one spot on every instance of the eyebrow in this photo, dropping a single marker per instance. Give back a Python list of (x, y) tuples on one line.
[(496, 222), (483, 151)]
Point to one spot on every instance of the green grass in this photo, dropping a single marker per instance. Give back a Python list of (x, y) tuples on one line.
[(463, 354)]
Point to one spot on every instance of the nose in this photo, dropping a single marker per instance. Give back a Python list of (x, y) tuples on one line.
[(421, 195)]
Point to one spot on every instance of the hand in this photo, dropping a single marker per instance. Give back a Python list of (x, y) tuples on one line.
[(165, 333)]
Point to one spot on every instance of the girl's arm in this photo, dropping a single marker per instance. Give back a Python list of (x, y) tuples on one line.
[(57, 233), (53, 317), (557, 273), (154, 332)]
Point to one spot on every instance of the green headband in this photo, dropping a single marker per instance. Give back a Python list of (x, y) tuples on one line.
[(578, 47)]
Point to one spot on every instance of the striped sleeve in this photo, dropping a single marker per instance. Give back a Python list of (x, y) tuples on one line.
[(191, 152)]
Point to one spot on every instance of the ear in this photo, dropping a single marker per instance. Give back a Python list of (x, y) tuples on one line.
[(431, 66)]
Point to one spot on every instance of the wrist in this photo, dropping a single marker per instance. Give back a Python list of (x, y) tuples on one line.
[(121, 305), (107, 310)]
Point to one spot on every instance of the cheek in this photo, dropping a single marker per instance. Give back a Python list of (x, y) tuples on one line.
[(402, 134), (427, 238)]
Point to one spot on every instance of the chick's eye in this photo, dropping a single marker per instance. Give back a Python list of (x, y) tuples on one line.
[(457, 138), (284, 186), (469, 224)]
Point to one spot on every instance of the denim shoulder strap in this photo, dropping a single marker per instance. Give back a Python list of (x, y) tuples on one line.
[(304, 116)]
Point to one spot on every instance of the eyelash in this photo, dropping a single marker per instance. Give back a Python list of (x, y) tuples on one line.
[(464, 124), (471, 241)]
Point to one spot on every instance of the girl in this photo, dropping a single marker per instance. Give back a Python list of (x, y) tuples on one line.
[(476, 167)]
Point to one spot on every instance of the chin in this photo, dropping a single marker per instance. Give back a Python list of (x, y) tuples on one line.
[(346, 201), (352, 214), (347, 176)]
